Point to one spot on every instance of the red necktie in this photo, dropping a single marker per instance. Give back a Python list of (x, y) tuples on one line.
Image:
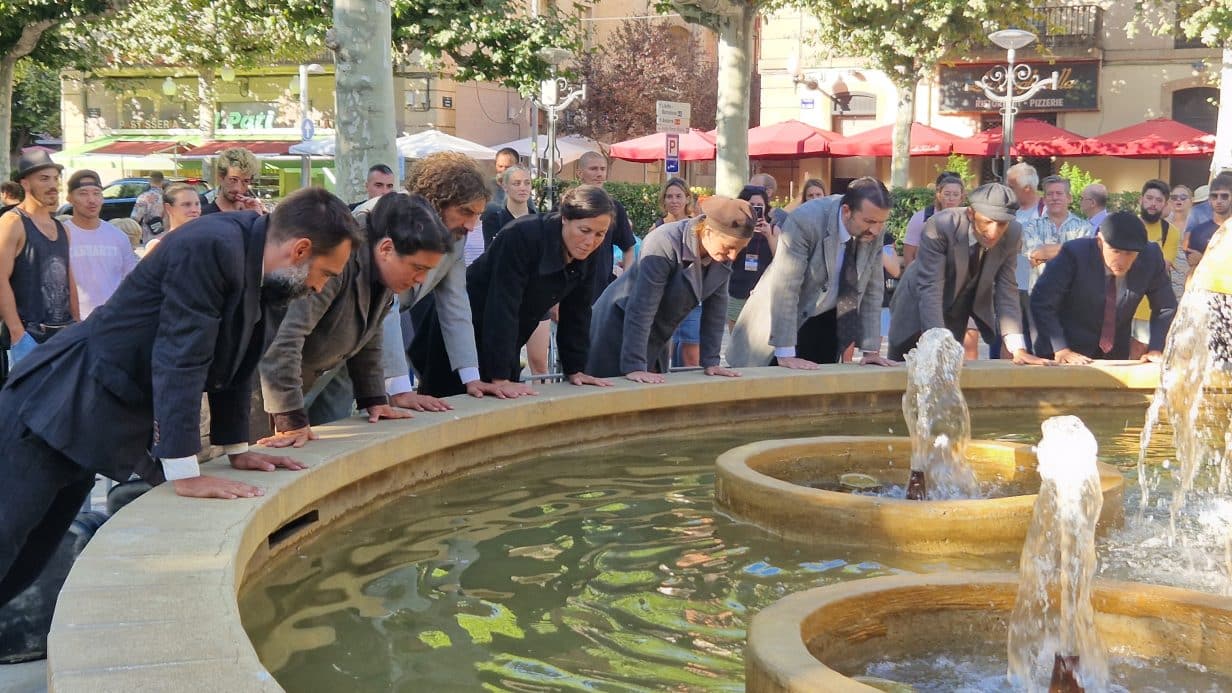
[(1109, 329)]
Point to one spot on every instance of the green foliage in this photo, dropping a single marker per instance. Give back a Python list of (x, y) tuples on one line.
[(641, 201), (962, 166), (1124, 201), (907, 201), (1210, 22), (36, 102), (1078, 180)]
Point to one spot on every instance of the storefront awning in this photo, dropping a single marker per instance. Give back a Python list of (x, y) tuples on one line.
[(141, 148), (260, 148)]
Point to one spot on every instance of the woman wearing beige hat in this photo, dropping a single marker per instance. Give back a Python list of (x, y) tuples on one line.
[(682, 264)]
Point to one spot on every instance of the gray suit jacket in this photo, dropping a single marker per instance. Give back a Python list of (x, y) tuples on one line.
[(805, 270), (634, 319), (928, 294), (447, 283), (341, 324)]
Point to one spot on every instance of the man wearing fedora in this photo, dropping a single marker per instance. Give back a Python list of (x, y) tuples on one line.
[(965, 269), (38, 297), (1084, 301)]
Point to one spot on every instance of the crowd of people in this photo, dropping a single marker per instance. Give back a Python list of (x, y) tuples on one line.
[(395, 303)]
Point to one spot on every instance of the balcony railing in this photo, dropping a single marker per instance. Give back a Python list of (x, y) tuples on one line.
[(1070, 26)]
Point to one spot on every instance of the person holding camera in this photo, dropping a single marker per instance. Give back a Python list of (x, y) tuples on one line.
[(752, 262)]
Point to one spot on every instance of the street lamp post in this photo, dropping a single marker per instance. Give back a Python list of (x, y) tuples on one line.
[(550, 100), (1012, 84)]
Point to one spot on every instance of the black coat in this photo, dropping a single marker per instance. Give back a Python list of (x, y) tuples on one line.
[(495, 217), (129, 379), (515, 282), (1067, 302)]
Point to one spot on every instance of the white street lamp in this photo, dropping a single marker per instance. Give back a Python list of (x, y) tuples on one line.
[(1012, 84), (550, 100)]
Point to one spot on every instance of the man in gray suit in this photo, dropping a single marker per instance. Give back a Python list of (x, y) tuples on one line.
[(965, 269), (823, 292)]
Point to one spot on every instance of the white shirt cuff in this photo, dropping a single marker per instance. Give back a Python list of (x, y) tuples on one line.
[(1014, 342), (398, 385), (468, 375), (181, 468), (235, 448), (785, 352)]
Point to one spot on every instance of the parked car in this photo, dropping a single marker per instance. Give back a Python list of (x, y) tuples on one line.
[(120, 196)]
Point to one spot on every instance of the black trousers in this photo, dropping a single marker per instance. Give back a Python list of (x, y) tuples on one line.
[(43, 491), (817, 339), (434, 374)]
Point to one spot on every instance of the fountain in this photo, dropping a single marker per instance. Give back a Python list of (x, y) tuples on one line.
[(937, 420)]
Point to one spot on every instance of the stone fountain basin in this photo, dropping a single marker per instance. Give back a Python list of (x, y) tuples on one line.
[(767, 484), (816, 640)]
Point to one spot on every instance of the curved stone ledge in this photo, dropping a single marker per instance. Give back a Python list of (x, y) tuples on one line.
[(151, 603), (814, 640), (764, 484)]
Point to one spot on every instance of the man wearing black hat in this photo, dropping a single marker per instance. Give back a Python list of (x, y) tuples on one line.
[(965, 269), (38, 297), (1084, 302)]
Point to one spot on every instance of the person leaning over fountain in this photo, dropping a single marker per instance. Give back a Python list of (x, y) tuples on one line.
[(682, 264), (342, 324), (1084, 301), (823, 292), (458, 191), (534, 263), (965, 269), (190, 318)]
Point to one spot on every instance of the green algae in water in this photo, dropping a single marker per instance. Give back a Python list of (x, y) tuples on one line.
[(604, 570)]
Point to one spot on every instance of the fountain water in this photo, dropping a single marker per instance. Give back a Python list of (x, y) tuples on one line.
[(937, 420), (1053, 621)]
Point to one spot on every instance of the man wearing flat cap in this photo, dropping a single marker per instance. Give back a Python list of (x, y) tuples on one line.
[(1084, 301), (965, 270), (823, 292), (38, 296)]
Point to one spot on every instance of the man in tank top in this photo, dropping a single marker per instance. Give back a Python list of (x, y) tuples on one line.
[(38, 297)]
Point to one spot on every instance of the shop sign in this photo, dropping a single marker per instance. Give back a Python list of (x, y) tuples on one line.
[(246, 116), (1079, 89)]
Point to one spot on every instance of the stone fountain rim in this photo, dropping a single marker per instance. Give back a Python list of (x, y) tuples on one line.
[(152, 602), (776, 647), (735, 463)]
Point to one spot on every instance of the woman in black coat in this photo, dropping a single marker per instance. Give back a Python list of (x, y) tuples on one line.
[(534, 263)]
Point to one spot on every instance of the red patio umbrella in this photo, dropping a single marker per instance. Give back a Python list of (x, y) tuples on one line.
[(695, 145), (925, 141), (791, 139), (1035, 138), (1157, 138)]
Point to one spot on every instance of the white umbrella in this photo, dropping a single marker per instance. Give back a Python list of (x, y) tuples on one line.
[(324, 147), (569, 148), (422, 144)]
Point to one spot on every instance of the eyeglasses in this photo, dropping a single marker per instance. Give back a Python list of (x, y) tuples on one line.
[(1178, 198), (1221, 195)]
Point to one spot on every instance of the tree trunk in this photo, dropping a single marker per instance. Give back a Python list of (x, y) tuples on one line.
[(1223, 129), (206, 116), (899, 165), (364, 96), (7, 67), (732, 115)]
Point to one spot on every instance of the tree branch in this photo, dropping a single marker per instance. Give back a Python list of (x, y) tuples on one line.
[(30, 35)]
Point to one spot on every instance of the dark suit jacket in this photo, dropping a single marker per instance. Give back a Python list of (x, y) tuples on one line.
[(928, 295), (187, 320), (495, 217), (1067, 303), (514, 283)]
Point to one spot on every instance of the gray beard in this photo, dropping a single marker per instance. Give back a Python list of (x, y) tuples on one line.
[(286, 284)]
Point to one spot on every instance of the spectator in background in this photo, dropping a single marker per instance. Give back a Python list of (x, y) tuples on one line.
[(1201, 210), (1151, 207), (100, 255), (1043, 237), (515, 183), (149, 207), (236, 169), (778, 216), (132, 230), (37, 295), (1180, 202), (753, 261), (812, 189), (947, 193), (1093, 203), (505, 157), (11, 195), (1221, 209), (592, 170), (181, 204), (380, 180), (683, 264), (1024, 180)]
